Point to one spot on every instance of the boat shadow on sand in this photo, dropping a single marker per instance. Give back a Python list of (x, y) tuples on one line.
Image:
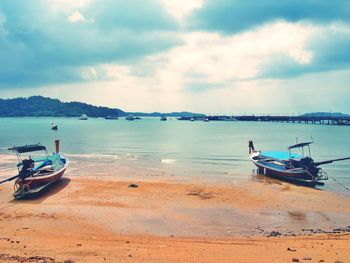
[(45, 193)]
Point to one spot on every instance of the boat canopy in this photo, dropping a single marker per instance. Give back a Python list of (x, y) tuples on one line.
[(28, 148), (299, 145), (280, 155)]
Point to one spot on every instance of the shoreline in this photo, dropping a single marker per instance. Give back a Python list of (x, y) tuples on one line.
[(131, 167), (87, 220)]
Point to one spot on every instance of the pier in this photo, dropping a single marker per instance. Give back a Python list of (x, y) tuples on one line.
[(327, 120)]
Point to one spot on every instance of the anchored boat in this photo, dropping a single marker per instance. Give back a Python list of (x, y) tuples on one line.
[(130, 117), (35, 175), (83, 117), (291, 167)]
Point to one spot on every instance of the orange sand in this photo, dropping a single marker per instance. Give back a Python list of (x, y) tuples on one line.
[(89, 220)]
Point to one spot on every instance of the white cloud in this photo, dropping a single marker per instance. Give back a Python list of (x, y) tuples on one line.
[(89, 74), (228, 63), (286, 96), (77, 17), (218, 64), (217, 59), (48, 42), (211, 58), (147, 63), (116, 71), (180, 9)]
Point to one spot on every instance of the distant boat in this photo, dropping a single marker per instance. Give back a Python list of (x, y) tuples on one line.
[(163, 118), (130, 118), (36, 175), (192, 119), (206, 119), (290, 167), (111, 117), (83, 117), (54, 126)]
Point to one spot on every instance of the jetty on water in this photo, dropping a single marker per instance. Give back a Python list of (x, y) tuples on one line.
[(328, 120)]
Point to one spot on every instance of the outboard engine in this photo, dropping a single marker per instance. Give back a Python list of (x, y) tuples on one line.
[(308, 164), (27, 167)]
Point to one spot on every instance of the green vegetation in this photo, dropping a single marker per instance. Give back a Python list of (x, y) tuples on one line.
[(325, 114), (40, 106)]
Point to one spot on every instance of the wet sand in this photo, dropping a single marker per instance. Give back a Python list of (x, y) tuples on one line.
[(84, 219)]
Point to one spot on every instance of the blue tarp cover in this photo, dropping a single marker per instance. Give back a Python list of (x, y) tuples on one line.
[(280, 155)]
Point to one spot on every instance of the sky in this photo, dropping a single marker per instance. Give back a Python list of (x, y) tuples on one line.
[(208, 56)]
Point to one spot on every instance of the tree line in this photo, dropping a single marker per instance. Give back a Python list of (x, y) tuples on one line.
[(41, 106)]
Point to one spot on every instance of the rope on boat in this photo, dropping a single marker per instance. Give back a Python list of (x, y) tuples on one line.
[(19, 188), (347, 188), (327, 176)]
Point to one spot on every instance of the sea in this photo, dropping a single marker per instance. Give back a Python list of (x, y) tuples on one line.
[(215, 151)]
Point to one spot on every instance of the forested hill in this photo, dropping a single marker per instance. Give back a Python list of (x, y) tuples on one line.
[(325, 114), (41, 106)]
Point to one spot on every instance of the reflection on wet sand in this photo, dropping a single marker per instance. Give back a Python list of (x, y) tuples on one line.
[(298, 216)]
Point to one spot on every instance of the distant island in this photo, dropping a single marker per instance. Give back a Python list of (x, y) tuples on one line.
[(325, 114), (38, 106)]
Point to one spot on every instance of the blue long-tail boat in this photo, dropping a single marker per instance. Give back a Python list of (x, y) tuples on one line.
[(291, 167)]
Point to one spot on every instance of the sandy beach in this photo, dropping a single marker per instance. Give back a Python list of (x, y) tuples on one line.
[(84, 219), (151, 131)]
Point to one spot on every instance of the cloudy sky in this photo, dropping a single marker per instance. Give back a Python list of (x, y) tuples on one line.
[(210, 56)]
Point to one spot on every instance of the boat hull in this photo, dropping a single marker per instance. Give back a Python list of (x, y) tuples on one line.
[(301, 179), (34, 185), (298, 177)]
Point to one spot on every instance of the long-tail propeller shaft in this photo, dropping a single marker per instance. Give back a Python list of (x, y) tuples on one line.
[(330, 161), (9, 179)]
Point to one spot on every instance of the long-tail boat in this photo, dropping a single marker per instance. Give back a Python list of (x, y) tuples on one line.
[(35, 175), (299, 169)]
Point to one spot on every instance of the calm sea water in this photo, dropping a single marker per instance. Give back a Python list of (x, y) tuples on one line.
[(217, 150)]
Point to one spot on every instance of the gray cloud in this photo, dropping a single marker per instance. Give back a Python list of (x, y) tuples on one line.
[(231, 16), (137, 15), (330, 49), (41, 47)]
